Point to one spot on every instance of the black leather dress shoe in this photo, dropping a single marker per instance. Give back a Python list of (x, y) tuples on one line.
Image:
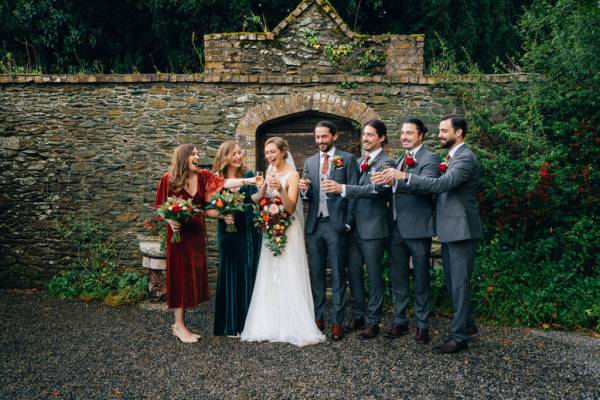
[(472, 331), (358, 324), (370, 332), (422, 336), (451, 346), (396, 331)]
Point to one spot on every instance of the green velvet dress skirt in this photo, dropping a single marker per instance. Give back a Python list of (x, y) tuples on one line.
[(238, 260)]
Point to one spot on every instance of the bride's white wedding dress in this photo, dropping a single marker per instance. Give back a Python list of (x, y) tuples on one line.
[(281, 309)]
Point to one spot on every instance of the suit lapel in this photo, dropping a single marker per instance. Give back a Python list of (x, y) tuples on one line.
[(457, 153), (332, 168), (315, 172), (417, 156), (363, 174)]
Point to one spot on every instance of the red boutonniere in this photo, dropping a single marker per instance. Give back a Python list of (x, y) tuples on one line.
[(444, 165), (338, 162), (365, 166), (410, 161)]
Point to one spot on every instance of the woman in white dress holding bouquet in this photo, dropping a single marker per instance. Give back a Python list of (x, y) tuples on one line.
[(281, 309)]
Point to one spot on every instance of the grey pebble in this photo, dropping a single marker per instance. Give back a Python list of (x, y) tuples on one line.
[(72, 350)]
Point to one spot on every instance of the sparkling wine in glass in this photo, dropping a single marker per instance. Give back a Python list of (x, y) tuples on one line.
[(306, 179), (324, 178), (259, 178), (383, 168)]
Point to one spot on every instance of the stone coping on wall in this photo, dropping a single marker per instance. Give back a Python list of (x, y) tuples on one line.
[(275, 79), (260, 36)]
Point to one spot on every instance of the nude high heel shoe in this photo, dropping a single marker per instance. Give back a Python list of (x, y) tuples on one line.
[(182, 338)]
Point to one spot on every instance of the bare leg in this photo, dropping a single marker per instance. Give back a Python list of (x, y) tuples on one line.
[(180, 330)]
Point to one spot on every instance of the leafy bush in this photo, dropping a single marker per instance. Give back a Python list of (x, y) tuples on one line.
[(538, 145), (94, 274)]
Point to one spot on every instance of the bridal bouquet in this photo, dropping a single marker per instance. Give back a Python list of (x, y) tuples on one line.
[(179, 210), (227, 202), (272, 219)]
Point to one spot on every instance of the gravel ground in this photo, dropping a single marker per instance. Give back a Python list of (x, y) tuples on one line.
[(73, 350)]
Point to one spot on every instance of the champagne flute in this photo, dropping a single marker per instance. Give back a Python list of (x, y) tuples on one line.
[(383, 168), (259, 178), (306, 179), (324, 178), (271, 173)]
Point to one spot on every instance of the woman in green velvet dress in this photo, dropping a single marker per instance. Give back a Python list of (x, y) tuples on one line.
[(238, 251)]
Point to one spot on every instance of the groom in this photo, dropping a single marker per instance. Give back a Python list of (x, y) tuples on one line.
[(327, 222)]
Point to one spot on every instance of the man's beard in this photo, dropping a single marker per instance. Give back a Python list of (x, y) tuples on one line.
[(448, 143), (327, 147)]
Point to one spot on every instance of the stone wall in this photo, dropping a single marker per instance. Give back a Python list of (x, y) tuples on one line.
[(101, 148), (98, 144), (313, 40)]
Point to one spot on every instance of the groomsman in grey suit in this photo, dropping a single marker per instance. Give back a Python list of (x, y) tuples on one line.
[(458, 225), (369, 230), (327, 222), (411, 234)]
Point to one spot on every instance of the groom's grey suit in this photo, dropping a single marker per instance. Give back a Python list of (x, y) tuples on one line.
[(326, 235), (370, 217), (458, 227), (411, 237)]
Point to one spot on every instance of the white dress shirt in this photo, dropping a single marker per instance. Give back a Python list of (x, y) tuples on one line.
[(323, 210)]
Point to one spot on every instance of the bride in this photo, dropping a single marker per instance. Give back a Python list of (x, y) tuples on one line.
[(281, 309)]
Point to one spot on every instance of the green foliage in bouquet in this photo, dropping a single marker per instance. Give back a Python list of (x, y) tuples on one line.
[(94, 274), (227, 202)]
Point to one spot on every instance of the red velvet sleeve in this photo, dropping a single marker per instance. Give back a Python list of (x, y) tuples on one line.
[(162, 192), (210, 182)]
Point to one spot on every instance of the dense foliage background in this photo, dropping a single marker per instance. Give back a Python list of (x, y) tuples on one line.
[(539, 147), (538, 141), (123, 36)]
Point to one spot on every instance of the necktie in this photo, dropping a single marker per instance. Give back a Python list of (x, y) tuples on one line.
[(404, 163), (364, 165), (325, 166)]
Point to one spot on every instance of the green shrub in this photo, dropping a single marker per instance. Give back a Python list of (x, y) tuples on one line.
[(94, 274), (538, 145)]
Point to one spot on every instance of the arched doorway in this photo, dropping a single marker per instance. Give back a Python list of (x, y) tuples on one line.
[(298, 130), (338, 108)]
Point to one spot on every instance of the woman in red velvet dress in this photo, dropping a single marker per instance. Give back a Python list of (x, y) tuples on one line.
[(187, 280)]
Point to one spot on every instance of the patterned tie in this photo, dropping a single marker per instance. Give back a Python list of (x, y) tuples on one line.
[(325, 166), (404, 164), (365, 162)]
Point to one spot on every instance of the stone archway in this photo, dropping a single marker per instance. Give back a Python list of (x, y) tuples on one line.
[(285, 105)]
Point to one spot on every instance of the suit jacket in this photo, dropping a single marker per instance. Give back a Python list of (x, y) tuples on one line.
[(457, 207), (414, 209), (369, 211), (336, 204)]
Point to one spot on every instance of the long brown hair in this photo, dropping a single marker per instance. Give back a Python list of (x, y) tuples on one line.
[(220, 162), (179, 171)]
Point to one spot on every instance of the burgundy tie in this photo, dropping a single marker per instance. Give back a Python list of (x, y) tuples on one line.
[(404, 165), (325, 166), (366, 162)]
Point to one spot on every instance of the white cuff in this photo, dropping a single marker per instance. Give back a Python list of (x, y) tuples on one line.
[(343, 194)]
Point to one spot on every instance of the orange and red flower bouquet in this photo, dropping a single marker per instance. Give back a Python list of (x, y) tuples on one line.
[(272, 219), (227, 202)]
